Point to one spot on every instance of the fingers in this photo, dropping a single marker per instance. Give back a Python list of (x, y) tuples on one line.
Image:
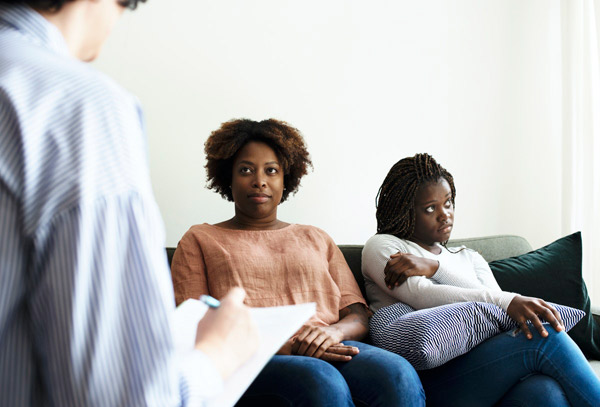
[(228, 334), (300, 339), (394, 279), (525, 328), (524, 309), (341, 349), (544, 310), (340, 353), (551, 315), (312, 341), (401, 266), (535, 320), (394, 271), (334, 357)]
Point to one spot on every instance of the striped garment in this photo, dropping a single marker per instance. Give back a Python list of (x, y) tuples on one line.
[(430, 337), (85, 291)]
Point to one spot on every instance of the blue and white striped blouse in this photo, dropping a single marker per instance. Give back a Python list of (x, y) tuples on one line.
[(85, 291)]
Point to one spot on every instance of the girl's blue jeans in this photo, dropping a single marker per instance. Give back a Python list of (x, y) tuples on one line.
[(510, 370)]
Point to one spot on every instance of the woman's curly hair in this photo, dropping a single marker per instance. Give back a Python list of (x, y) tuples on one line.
[(396, 197), (224, 143)]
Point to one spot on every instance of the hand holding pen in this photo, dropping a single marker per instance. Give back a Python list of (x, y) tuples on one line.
[(227, 333)]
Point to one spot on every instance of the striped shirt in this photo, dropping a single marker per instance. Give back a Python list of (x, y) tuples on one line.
[(85, 291)]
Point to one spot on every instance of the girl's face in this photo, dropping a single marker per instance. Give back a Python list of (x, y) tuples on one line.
[(257, 182), (434, 213)]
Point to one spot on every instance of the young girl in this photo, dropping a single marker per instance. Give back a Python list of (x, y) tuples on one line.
[(408, 261)]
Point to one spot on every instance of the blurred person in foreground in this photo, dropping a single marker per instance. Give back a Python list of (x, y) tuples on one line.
[(85, 291)]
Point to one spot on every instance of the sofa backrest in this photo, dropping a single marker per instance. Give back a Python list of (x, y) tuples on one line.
[(490, 247)]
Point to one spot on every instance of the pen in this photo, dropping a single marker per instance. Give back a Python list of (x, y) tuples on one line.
[(210, 301)]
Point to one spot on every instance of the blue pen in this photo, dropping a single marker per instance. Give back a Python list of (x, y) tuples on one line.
[(212, 302)]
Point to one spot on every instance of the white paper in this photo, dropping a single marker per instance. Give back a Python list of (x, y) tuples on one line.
[(275, 326)]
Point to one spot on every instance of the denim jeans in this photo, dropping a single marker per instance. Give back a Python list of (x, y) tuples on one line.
[(374, 377), (509, 369)]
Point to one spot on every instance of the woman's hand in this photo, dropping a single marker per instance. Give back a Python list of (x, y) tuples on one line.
[(316, 340), (340, 353), (404, 265), (325, 342), (286, 349), (523, 308), (335, 353)]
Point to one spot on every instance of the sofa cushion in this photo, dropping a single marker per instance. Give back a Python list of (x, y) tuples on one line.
[(554, 274), (494, 247), (431, 337)]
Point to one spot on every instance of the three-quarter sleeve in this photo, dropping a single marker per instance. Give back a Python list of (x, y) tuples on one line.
[(343, 277)]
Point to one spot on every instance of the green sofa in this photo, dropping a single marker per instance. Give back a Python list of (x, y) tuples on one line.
[(490, 247)]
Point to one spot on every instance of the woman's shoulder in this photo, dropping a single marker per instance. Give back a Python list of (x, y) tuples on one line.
[(202, 228)]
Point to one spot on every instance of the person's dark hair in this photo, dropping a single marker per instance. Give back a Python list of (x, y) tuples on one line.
[(224, 143), (55, 5), (396, 197)]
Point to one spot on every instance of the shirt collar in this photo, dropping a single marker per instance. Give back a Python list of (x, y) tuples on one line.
[(34, 27)]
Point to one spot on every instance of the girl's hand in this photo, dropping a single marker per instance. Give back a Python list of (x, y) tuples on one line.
[(523, 308), (404, 265), (316, 340)]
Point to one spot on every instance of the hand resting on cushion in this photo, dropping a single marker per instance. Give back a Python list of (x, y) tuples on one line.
[(522, 309)]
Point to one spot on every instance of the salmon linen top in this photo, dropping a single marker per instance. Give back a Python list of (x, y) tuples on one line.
[(292, 265)]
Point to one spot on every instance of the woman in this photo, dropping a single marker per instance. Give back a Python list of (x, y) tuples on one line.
[(408, 261), (257, 165)]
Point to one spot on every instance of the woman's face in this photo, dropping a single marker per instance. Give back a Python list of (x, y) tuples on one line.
[(434, 213), (257, 181)]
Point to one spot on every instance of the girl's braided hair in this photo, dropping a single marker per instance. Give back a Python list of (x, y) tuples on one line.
[(395, 200)]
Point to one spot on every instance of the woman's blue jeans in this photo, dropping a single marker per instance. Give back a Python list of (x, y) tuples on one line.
[(510, 370), (374, 377)]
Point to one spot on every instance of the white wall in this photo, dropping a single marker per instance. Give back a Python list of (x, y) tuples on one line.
[(476, 84)]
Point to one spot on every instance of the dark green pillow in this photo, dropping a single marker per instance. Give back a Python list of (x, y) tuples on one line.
[(553, 273)]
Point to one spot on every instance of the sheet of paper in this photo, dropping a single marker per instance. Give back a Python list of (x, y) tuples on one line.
[(275, 326)]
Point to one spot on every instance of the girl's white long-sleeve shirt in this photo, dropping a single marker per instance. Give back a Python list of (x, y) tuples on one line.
[(461, 276)]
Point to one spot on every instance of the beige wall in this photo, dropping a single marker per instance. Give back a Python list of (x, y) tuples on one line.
[(476, 84)]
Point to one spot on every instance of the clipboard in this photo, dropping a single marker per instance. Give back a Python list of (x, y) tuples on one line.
[(275, 326)]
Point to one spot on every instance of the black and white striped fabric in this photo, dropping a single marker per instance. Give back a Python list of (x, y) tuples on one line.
[(430, 337)]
